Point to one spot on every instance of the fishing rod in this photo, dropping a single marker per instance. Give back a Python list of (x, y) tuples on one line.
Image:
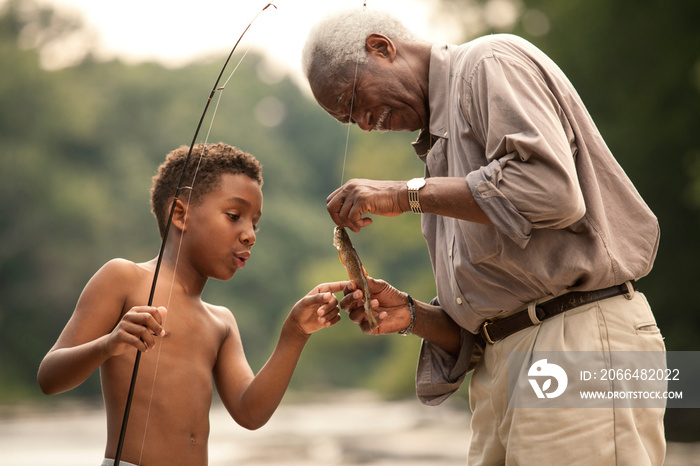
[(137, 361)]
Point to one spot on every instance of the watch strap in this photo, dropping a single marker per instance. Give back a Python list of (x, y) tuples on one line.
[(414, 199)]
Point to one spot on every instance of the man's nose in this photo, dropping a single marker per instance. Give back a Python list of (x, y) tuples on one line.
[(364, 120)]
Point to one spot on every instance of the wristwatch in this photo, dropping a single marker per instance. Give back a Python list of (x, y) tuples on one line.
[(414, 186)]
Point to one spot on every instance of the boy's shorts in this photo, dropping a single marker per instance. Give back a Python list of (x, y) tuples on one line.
[(110, 462)]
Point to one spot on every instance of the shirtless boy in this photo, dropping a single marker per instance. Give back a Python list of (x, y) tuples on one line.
[(185, 342)]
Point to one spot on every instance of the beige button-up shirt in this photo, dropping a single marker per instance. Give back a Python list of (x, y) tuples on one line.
[(565, 215)]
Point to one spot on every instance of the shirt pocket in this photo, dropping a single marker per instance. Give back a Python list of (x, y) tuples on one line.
[(476, 242), (436, 160)]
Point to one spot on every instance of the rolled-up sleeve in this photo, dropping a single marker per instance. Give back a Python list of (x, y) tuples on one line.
[(440, 374), (529, 178)]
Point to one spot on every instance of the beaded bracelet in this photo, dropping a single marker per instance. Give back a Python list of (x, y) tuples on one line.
[(407, 331)]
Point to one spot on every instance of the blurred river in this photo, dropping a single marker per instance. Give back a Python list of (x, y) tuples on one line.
[(351, 429)]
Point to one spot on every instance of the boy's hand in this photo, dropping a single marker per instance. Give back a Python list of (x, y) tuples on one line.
[(319, 308), (138, 328), (389, 304)]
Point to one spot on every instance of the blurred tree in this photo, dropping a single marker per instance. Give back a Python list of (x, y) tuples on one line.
[(80, 144)]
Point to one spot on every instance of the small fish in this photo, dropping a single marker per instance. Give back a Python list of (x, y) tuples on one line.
[(357, 273)]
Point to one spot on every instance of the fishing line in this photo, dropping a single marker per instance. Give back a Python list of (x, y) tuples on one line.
[(352, 103), (220, 90), (127, 408)]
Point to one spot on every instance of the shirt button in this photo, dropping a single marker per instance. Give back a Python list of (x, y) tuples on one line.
[(459, 300), (449, 253)]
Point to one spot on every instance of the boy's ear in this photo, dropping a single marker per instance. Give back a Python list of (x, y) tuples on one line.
[(381, 45), (179, 215)]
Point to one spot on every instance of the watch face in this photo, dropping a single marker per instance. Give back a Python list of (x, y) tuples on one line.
[(416, 183)]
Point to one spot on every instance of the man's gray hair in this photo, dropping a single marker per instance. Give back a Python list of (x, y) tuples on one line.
[(339, 40)]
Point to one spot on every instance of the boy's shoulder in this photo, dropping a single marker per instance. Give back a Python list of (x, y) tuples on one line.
[(124, 269), (220, 312), (122, 273), (222, 317), (118, 282)]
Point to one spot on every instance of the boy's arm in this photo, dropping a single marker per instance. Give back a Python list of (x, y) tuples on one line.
[(96, 331), (252, 399)]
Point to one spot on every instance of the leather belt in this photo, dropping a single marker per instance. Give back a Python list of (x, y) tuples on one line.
[(493, 330)]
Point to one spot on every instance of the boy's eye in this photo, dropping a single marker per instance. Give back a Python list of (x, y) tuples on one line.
[(236, 217)]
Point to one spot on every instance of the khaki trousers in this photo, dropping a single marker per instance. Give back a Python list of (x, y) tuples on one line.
[(567, 436)]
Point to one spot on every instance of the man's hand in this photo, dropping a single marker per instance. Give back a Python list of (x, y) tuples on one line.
[(390, 306), (350, 202)]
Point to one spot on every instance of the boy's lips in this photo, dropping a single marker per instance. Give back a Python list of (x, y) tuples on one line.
[(241, 258)]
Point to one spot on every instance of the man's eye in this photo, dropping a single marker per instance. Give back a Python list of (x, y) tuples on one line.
[(233, 217), (256, 228)]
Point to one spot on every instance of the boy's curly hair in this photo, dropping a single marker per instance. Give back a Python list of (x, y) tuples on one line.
[(216, 160)]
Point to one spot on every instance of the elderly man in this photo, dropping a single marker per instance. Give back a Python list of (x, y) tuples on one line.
[(535, 233)]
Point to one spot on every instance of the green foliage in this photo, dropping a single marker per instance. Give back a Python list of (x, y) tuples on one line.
[(395, 376), (80, 145)]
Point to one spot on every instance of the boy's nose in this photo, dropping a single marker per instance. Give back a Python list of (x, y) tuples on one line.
[(248, 236)]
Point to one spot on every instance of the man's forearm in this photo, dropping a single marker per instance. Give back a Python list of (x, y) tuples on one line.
[(434, 325), (449, 197)]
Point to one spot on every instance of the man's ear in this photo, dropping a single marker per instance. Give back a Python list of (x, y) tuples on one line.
[(179, 215), (380, 45)]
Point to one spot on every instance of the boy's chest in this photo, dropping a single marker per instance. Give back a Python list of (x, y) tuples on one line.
[(184, 359), (189, 335), (194, 334)]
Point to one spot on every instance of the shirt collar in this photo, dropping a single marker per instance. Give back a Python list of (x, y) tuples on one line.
[(438, 89)]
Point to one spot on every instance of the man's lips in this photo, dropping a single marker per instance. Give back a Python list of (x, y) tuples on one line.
[(387, 122), (383, 123)]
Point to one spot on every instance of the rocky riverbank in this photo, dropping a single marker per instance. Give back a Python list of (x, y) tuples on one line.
[(350, 429)]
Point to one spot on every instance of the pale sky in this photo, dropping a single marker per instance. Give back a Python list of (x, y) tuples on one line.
[(175, 32)]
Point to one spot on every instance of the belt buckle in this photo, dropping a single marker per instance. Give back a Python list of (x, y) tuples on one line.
[(485, 332)]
